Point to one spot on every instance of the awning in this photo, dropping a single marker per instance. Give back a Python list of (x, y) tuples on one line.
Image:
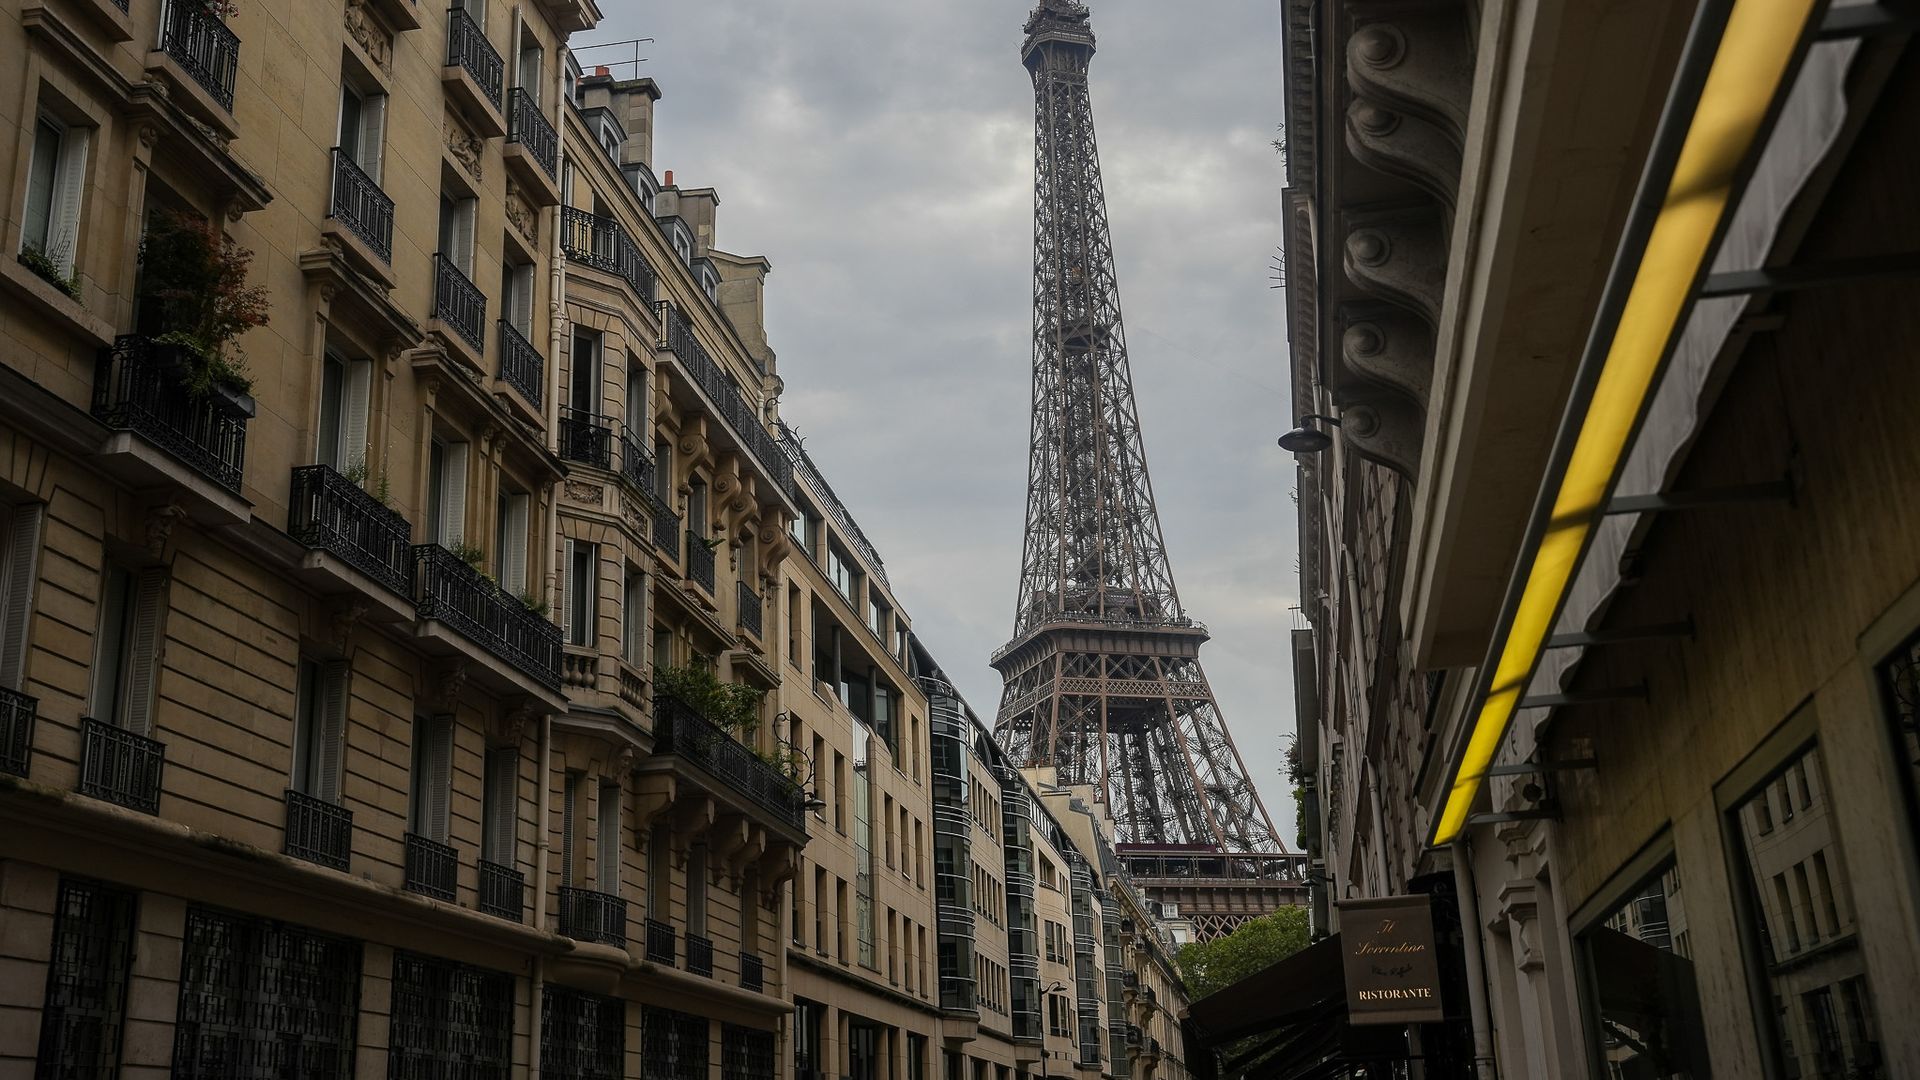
[(1293, 1020)]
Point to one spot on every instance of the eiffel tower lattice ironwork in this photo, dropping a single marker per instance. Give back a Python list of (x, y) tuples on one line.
[(1103, 677)]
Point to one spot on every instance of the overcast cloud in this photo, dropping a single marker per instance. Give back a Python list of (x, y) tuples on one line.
[(880, 153)]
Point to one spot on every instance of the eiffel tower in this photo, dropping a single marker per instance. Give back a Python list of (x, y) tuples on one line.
[(1103, 677)]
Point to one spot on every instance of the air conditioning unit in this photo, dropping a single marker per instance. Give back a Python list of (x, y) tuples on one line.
[(1169, 910)]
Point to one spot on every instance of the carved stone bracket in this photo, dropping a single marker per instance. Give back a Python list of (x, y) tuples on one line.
[(1399, 256), (653, 795), (1391, 347), (1405, 145), (511, 724), (466, 147), (448, 681), (1417, 62)]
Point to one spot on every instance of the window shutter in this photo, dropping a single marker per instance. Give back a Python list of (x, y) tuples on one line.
[(372, 136), (566, 586), (606, 866), (63, 238), (439, 776), (19, 560), (143, 659), (464, 213), (569, 823), (513, 560), (503, 810), (333, 731), (522, 312), (453, 514), (359, 395)]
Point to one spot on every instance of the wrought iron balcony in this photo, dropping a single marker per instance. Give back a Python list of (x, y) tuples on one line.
[(454, 593), (636, 464), (360, 205), (679, 730), (503, 891), (328, 512), (752, 972), (140, 386), (601, 243), (739, 414), (468, 48), (751, 610), (119, 766), (699, 955), (459, 303), (586, 915), (586, 438), (699, 561), (521, 365), (318, 831), (17, 712), (201, 44), (528, 126), (666, 527), (432, 867), (660, 942)]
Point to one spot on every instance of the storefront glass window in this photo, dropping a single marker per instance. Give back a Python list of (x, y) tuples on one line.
[(1639, 971), (1807, 939)]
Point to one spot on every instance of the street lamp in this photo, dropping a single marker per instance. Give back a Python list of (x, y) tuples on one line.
[(1058, 987), (1306, 439)]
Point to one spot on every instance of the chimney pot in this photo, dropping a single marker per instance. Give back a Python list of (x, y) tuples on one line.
[(669, 180), (601, 69)]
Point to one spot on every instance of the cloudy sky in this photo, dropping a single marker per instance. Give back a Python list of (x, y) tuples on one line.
[(880, 153)]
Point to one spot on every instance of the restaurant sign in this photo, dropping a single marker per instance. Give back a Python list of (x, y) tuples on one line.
[(1393, 976)]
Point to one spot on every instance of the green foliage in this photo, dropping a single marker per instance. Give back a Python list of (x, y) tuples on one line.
[(467, 553), (46, 265), (535, 604), (195, 281), (1210, 966), (733, 706)]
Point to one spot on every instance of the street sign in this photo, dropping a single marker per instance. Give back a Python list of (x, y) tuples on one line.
[(1393, 976)]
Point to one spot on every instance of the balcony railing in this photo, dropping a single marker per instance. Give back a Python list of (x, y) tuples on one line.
[(666, 527), (432, 867), (503, 891), (678, 729), (752, 972), (734, 408), (586, 915), (699, 955), (699, 561), (528, 126), (459, 303), (468, 47), (636, 465), (120, 766), (328, 512), (360, 205), (586, 438), (521, 365), (318, 831), (452, 592), (660, 942), (601, 243), (17, 712), (750, 609), (204, 48), (140, 386)]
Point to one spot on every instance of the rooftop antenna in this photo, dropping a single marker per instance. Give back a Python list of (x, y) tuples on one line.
[(632, 64)]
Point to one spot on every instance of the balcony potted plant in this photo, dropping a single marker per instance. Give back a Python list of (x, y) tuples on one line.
[(195, 296)]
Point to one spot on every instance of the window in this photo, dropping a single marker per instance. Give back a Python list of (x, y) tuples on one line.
[(662, 648), (56, 180), (532, 59), (1646, 1006), (500, 812), (477, 9), (710, 284), (660, 874), (510, 540), (319, 728), (697, 890), (573, 822), (516, 297), (663, 473), (432, 777), (582, 568), (682, 245), (345, 386), (697, 507), (583, 377), (877, 614), (363, 126), (88, 964), (793, 625), (636, 401), (606, 860), (447, 493), (19, 569), (841, 572), (457, 215), (633, 613), (127, 647)]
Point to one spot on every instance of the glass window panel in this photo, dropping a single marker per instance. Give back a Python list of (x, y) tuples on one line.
[(1641, 987)]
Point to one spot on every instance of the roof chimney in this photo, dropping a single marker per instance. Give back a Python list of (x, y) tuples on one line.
[(601, 70), (669, 180)]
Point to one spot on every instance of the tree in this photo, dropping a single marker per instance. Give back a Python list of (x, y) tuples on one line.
[(1210, 966)]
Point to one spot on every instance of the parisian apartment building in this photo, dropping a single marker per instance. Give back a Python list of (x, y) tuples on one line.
[(1612, 640), (423, 648)]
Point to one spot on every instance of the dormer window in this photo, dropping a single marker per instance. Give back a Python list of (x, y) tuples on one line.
[(710, 284), (610, 139), (682, 246)]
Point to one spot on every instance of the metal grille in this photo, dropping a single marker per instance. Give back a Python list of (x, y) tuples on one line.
[(586, 915), (120, 766), (521, 365), (699, 955), (318, 831), (666, 528), (262, 1000), (503, 891), (86, 983), (636, 465), (432, 867), (528, 126), (137, 387), (660, 942), (331, 513), (745, 1053), (740, 414), (360, 205), (458, 302), (679, 730), (586, 437), (673, 1045), (604, 245), (468, 48), (699, 561), (203, 47), (450, 1021), (454, 593), (752, 971), (582, 1036), (17, 712), (750, 608)]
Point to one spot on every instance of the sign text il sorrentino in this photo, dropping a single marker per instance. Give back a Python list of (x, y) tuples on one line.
[(1393, 976)]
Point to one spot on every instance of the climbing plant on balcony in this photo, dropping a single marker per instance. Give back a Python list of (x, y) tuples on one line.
[(193, 286), (733, 706)]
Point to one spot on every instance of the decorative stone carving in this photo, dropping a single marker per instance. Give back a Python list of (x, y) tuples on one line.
[(581, 491), (466, 147), (367, 32), (511, 725), (1392, 347), (1421, 63), (342, 617), (159, 529), (448, 682), (1406, 146), (521, 214)]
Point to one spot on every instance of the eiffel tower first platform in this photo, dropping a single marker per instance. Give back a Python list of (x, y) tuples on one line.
[(1103, 676)]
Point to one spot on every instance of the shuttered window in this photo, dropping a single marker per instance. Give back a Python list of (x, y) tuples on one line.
[(510, 541), (660, 874), (572, 818), (320, 721), (582, 566), (606, 860), (447, 493), (56, 180), (697, 890), (19, 569), (633, 613), (501, 813), (432, 777), (127, 646)]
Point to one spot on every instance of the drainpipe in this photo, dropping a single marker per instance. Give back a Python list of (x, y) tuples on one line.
[(541, 848), (557, 279), (1484, 1066)]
